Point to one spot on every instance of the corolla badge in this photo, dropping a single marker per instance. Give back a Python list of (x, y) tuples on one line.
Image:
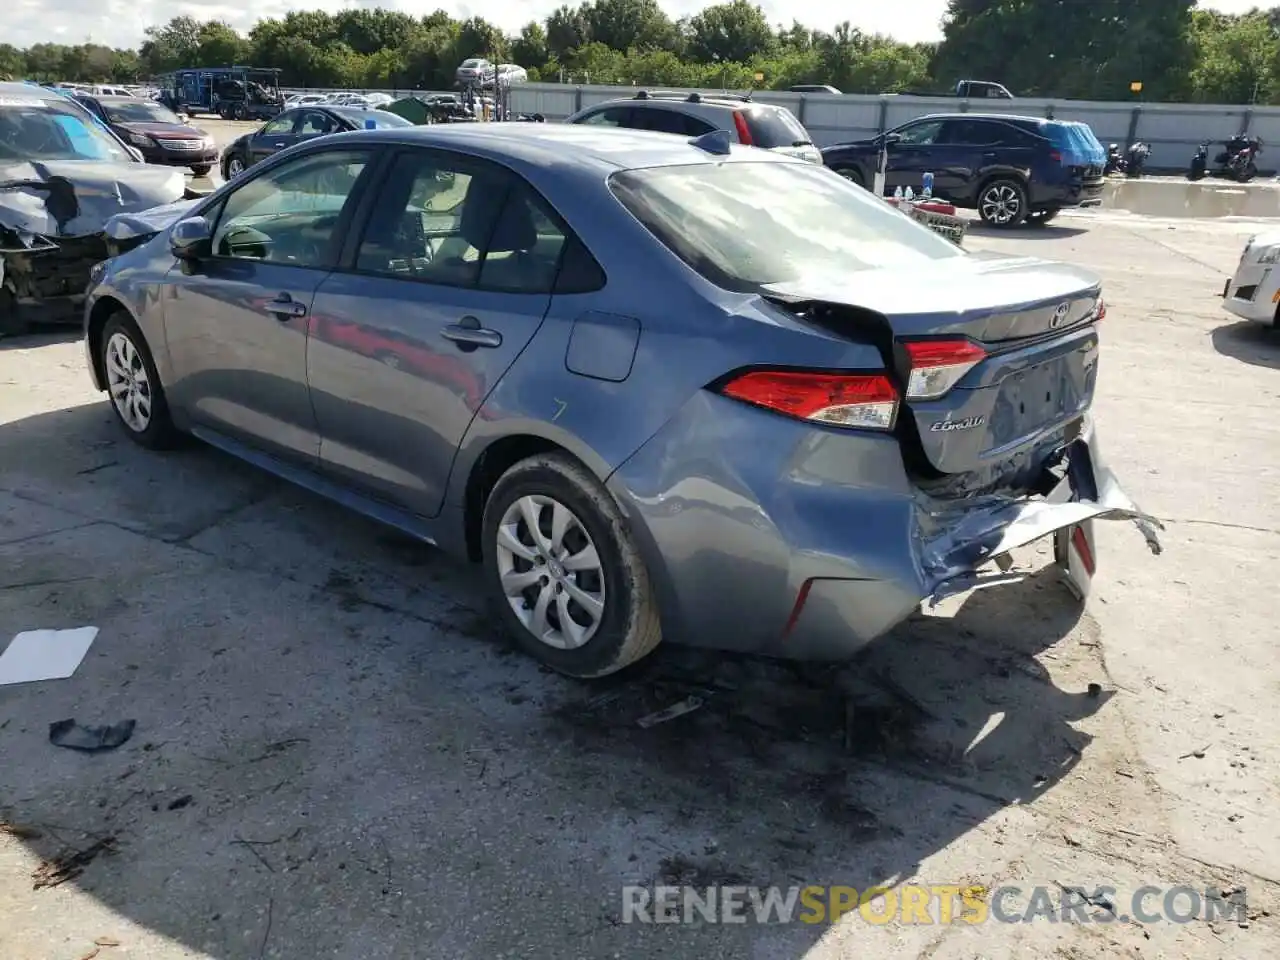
[(1059, 316), (967, 423)]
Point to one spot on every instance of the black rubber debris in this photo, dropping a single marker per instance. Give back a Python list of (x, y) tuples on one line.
[(75, 736)]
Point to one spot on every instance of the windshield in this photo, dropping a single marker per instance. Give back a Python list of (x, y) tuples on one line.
[(745, 225), (139, 111), (34, 129)]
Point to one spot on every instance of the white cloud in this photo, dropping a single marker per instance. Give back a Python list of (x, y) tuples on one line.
[(120, 23)]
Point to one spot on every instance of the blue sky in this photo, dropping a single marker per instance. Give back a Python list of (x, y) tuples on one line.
[(121, 22)]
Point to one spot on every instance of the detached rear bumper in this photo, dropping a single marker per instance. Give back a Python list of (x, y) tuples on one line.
[(767, 537)]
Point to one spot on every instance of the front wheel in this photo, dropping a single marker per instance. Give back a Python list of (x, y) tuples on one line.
[(1003, 203), (137, 396), (235, 167), (564, 571), (201, 169)]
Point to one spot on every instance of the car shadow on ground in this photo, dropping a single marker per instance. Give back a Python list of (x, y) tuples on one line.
[(41, 336), (1027, 231), (1249, 341), (337, 754)]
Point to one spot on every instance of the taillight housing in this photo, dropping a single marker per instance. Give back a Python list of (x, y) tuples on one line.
[(866, 401), (938, 365), (1055, 156), (740, 125), (1100, 312)]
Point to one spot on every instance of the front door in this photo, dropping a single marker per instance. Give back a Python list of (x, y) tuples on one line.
[(913, 154), (274, 137), (452, 278), (236, 321)]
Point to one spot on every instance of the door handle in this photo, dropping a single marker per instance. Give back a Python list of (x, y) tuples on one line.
[(468, 334), (278, 144), (990, 155), (285, 307)]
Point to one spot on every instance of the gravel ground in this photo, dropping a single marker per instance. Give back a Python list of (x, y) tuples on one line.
[(335, 756)]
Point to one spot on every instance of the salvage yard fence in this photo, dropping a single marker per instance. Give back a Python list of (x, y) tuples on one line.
[(1172, 129)]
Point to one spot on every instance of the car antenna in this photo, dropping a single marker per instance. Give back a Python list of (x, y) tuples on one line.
[(717, 142)]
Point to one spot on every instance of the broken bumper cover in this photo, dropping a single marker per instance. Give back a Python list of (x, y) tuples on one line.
[(988, 530), (46, 277)]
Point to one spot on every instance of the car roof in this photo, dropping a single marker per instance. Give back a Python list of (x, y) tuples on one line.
[(572, 147), (30, 91), (679, 99), (1015, 118)]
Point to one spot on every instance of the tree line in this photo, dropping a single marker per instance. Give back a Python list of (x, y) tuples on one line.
[(1096, 50)]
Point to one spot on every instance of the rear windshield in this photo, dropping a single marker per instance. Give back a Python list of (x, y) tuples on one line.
[(726, 221), (1076, 142), (775, 127)]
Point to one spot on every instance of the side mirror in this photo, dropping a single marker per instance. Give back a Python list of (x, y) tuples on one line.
[(892, 138), (191, 239)]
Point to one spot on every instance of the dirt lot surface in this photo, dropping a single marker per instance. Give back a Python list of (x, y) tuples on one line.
[(336, 757)]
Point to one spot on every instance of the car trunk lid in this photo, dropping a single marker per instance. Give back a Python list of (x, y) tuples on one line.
[(996, 358)]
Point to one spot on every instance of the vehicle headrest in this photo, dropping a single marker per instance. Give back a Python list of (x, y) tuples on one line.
[(485, 200)]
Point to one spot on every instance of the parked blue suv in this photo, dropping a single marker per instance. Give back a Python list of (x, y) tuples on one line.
[(1010, 169)]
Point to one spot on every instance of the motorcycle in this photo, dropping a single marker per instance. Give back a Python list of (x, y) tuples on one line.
[(1115, 162), (1242, 157), (1136, 159), (1199, 168)]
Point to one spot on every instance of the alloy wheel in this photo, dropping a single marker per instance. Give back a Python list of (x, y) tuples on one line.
[(1000, 204), (550, 571), (128, 383), (234, 167)]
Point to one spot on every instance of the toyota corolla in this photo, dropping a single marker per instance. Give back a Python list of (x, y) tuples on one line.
[(685, 389)]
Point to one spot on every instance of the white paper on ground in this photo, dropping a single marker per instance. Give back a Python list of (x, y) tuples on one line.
[(45, 654)]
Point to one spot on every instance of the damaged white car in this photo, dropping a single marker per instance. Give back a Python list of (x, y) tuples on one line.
[(62, 176)]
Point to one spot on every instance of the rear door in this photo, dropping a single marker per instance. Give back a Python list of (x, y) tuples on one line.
[(974, 148), (445, 284)]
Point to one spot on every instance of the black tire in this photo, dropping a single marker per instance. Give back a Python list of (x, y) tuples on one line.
[(202, 169), (1038, 218), (1247, 173), (629, 626), (228, 173), (1002, 203), (159, 433), (852, 174)]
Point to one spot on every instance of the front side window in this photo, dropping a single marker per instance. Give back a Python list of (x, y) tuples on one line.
[(726, 222), (34, 129), (289, 215), (314, 122), (280, 126), (920, 134), (609, 117)]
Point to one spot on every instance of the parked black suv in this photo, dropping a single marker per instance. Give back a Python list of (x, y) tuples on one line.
[(1009, 169)]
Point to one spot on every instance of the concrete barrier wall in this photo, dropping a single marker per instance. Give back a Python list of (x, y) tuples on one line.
[(1173, 129)]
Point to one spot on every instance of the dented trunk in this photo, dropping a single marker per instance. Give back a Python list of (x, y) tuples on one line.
[(997, 359)]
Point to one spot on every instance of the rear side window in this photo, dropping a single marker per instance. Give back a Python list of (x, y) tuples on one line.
[(775, 127), (609, 117), (668, 121)]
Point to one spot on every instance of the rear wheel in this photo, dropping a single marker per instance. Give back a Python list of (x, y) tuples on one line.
[(238, 112), (852, 174), (1038, 218), (201, 169), (563, 570), (137, 396), (1003, 203)]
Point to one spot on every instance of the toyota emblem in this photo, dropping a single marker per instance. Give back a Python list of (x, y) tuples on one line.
[(1059, 316)]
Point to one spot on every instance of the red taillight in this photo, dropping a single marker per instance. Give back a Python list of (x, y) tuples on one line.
[(844, 400), (938, 365), (1101, 312), (740, 124), (1055, 156), (1081, 544)]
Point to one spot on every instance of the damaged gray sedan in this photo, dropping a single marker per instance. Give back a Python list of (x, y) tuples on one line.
[(657, 388), (62, 176)]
